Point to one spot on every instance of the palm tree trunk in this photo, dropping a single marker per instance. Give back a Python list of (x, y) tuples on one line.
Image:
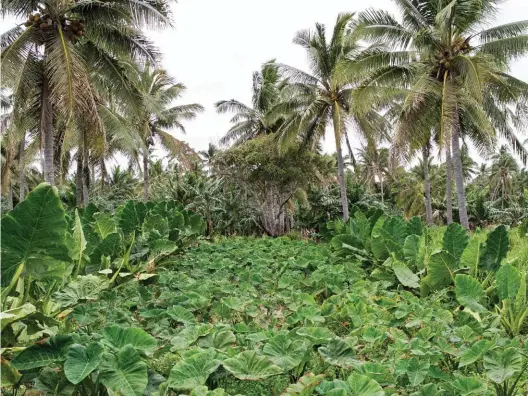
[(145, 177), (449, 185), (427, 185), (10, 196), (79, 179), (381, 185), (46, 131), (86, 171), (350, 152), (459, 177), (340, 163), (21, 169), (103, 172)]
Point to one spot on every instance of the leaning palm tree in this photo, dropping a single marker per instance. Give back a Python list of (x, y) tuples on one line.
[(157, 92), (250, 122), (323, 96), (62, 44), (448, 72)]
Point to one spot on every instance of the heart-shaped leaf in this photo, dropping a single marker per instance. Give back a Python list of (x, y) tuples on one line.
[(248, 365), (124, 373), (81, 361), (193, 371)]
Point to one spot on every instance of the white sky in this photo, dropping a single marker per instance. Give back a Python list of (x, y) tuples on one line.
[(216, 45)]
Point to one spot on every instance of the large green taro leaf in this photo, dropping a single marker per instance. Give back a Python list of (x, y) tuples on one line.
[(82, 360), (44, 354), (107, 247), (12, 315), (317, 335), (117, 337), (82, 289), (388, 236), (305, 385), (338, 353), (508, 281), (497, 245), (189, 335), (33, 234), (474, 352), (285, 352), (501, 365), (104, 225), (124, 373), (361, 385), (131, 216), (405, 275), (181, 315), (456, 239), (469, 292), (193, 371), (248, 365), (441, 269)]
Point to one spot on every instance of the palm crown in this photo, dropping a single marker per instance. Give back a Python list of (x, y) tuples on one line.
[(447, 73)]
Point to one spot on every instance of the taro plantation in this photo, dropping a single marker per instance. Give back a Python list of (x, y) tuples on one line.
[(137, 262)]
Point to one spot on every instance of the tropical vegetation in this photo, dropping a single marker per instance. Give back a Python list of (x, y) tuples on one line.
[(133, 264)]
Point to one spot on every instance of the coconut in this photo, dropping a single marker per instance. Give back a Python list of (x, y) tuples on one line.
[(79, 32), (31, 18), (74, 28), (36, 17), (44, 25)]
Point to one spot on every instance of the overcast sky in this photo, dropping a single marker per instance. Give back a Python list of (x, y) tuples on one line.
[(217, 44)]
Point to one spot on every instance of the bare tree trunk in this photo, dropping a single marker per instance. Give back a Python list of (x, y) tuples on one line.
[(79, 179), (145, 177), (340, 164), (350, 152), (459, 177), (381, 185), (449, 185), (46, 131), (10, 196), (86, 171), (22, 169), (103, 172), (427, 185)]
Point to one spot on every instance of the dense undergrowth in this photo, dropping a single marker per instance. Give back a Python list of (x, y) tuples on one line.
[(379, 306)]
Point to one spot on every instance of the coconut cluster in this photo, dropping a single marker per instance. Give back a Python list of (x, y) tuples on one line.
[(72, 27), (42, 22)]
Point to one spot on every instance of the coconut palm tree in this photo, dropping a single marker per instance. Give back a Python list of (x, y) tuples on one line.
[(250, 122), (449, 72), (503, 171), (157, 92), (66, 48), (323, 96)]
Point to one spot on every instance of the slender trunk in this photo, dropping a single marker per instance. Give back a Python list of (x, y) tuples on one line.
[(10, 196), (350, 152), (427, 186), (46, 131), (459, 177), (86, 172), (340, 164), (381, 185), (79, 178), (21, 169), (145, 177), (449, 185), (103, 172)]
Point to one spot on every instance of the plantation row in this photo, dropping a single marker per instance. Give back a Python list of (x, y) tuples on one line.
[(104, 304)]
